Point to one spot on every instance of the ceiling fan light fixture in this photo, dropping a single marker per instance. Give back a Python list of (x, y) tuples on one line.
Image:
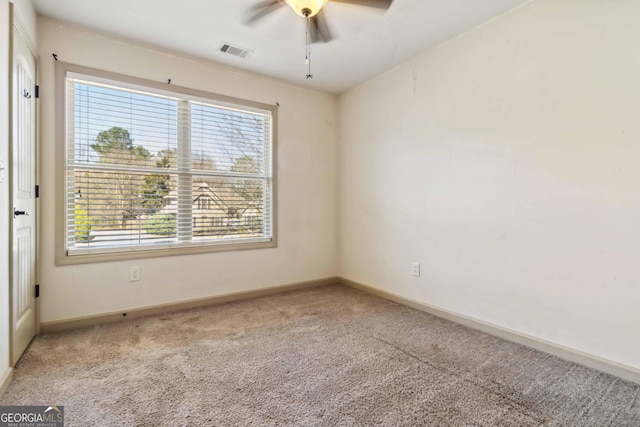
[(307, 8)]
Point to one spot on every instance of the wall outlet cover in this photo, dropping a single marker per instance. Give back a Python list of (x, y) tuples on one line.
[(415, 269), (134, 274)]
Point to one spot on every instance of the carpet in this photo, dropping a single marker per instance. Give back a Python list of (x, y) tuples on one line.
[(322, 356)]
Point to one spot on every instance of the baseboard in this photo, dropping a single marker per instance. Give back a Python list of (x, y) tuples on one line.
[(6, 380), (614, 368), (625, 372), (82, 322)]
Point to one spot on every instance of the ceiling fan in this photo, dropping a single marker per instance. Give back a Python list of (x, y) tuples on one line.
[(318, 30)]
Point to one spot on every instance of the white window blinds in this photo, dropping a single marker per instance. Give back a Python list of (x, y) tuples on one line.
[(151, 169)]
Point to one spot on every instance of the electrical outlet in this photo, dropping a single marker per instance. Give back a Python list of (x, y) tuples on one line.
[(134, 274), (415, 269)]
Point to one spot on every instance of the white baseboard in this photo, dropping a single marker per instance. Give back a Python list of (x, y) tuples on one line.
[(82, 322), (625, 372), (6, 380)]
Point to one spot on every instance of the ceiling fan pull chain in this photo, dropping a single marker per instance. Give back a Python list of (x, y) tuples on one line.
[(308, 48)]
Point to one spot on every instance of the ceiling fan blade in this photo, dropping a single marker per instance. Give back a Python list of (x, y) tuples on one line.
[(378, 4), (261, 10), (320, 31)]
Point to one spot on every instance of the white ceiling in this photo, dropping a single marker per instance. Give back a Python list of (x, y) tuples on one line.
[(368, 42)]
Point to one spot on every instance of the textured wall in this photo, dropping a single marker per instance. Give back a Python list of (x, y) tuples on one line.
[(507, 162)]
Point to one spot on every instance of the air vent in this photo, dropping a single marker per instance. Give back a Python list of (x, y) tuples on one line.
[(235, 50)]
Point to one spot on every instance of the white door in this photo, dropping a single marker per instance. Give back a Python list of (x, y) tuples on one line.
[(23, 176)]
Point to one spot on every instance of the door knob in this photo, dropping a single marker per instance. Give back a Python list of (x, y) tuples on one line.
[(16, 212)]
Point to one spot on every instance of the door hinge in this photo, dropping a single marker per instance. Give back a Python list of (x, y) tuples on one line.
[(37, 191), (37, 91), (37, 291)]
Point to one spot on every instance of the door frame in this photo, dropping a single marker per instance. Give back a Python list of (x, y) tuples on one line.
[(17, 24)]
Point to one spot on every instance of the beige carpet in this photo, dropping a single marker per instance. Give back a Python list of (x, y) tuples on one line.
[(326, 356)]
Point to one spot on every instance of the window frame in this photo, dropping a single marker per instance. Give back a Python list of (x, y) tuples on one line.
[(61, 253)]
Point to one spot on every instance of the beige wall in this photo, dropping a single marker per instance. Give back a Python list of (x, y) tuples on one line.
[(28, 17), (307, 188), (507, 162)]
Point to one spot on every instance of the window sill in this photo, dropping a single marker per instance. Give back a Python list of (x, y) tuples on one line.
[(135, 253)]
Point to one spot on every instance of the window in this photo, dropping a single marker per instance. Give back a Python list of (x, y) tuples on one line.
[(151, 169), (204, 203)]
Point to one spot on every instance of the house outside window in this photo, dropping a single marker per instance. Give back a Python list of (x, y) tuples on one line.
[(150, 169)]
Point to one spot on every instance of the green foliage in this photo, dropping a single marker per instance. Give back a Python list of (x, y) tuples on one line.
[(141, 153), (153, 191), (161, 224), (250, 190), (115, 146), (114, 143), (166, 158), (115, 138), (129, 195), (82, 224), (157, 186)]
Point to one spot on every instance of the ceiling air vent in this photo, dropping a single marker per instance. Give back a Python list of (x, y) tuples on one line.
[(235, 50)]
